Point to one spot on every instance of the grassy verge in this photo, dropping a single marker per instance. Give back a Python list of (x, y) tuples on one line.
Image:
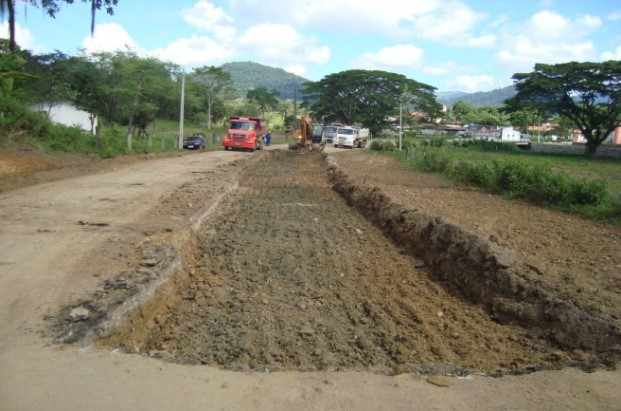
[(591, 188)]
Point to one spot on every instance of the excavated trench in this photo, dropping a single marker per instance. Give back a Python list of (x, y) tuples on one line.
[(287, 276)]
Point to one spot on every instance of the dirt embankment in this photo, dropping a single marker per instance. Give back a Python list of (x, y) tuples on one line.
[(22, 168), (485, 272), (292, 278), (156, 267)]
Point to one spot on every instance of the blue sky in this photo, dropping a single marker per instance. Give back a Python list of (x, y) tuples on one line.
[(468, 45)]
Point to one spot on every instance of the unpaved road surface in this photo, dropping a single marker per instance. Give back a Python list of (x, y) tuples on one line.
[(294, 279), (48, 259)]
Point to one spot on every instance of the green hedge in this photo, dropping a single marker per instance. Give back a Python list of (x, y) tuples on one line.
[(535, 183)]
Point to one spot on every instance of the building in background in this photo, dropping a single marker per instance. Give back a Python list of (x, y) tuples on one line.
[(68, 115)]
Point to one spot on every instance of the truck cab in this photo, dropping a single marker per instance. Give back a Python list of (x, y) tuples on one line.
[(346, 137), (244, 133)]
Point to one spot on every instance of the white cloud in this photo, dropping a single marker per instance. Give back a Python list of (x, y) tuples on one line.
[(194, 51), (298, 69), (525, 52), (277, 44), (612, 55), (548, 37), (548, 24), (399, 56), (485, 41), (338, 15), (616, 16), (447, 21), (109, 37), (472, 83), (451, 21), (23, 37), (281, 44), (212, 19), (591, 22)]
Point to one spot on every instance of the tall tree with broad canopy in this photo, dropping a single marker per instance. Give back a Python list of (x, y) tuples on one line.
[(368, 97), (263, 98), (210, 83), (588, 94)]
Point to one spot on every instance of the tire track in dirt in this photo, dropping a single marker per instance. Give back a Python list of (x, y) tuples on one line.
[(293, 278)]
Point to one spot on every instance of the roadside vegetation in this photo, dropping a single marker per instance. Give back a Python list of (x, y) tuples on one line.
[(588, 187), (132, 102)]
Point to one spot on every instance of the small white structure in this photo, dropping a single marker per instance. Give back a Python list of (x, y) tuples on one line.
[(68, 115), (510, 135)]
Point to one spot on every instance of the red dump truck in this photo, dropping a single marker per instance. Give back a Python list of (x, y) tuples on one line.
[(245, 133)]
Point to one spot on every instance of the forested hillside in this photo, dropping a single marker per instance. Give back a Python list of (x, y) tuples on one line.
[(492, 98), (248, 75)]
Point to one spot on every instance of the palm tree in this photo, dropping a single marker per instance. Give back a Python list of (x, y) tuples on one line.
[(93, 14), (7, 7)]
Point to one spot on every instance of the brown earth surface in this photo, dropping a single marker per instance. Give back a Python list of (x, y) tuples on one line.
[(48, 260), (293, 278), (577, 259), (20, 168)]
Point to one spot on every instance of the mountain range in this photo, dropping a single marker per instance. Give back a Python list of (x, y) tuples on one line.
[(480, 99), (247, 75)]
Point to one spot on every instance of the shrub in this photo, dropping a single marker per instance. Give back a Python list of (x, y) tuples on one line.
[(483, 145), (382, 145), (535, 183)]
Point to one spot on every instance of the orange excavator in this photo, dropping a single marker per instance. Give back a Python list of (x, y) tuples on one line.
[(304, 134)]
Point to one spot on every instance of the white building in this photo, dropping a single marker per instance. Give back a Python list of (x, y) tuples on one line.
[(510, 135), (68, 115)]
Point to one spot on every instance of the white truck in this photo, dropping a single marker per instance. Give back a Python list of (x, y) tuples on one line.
[(351, 137)]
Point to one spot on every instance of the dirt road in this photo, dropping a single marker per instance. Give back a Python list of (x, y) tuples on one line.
[(60, 240)]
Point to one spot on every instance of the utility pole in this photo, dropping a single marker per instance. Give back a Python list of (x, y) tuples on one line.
[(400, 124), (181, 113), (295, 101)]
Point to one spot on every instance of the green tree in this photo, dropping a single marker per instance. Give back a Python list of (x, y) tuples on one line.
[(264, 99), (122, 88), (52, 79), (586, 93), (464, 112), (210, 83), (524, 118), (367, 97)]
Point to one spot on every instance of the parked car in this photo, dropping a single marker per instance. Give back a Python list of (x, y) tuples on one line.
[(195, 142)]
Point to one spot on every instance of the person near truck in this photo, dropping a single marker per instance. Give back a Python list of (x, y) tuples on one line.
[(268, 138)]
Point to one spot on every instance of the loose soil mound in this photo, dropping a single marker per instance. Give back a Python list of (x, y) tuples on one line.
[(293, 278)]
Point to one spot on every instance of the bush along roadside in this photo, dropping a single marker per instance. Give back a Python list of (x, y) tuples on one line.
[(535, 183)]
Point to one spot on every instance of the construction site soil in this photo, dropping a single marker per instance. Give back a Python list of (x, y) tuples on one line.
[(575, 259), (289, 277)]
